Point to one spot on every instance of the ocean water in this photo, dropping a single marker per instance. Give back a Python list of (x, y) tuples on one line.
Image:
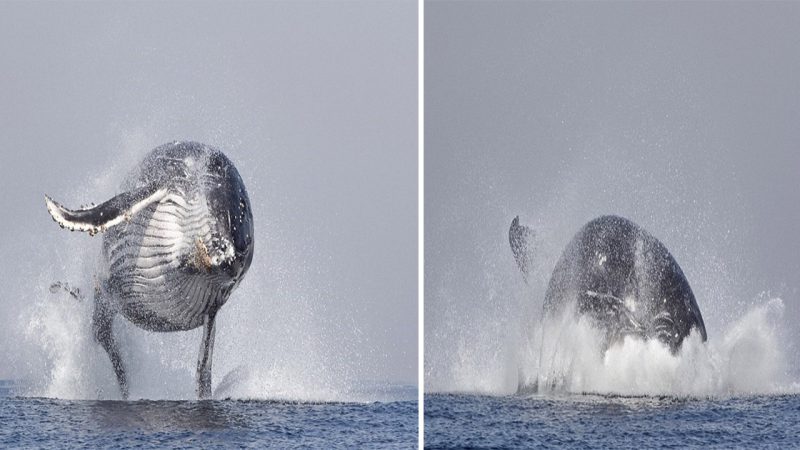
[(560, 389), (609, 421), (278, 392), (54, 423)]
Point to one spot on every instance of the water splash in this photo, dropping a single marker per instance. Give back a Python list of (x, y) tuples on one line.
[(745, 359), (565, 356)]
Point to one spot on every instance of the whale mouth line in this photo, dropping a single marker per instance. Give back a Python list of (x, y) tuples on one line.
[(612, 305), (614, 314)]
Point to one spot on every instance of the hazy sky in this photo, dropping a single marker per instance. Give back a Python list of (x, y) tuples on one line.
[(681, 116), (316, 104)]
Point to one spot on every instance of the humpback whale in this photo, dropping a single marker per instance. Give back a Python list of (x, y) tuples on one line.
[(622, 278), (176, 242)]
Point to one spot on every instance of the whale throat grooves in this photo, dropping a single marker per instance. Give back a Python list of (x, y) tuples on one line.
[(145, 254)]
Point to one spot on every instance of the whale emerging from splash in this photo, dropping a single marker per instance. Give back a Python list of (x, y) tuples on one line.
[(622, 278), (176, 242)]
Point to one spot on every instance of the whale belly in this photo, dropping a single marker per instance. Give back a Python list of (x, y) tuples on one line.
[(154, 274)]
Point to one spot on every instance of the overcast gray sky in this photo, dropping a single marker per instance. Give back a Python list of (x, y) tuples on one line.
[(682, 116), (315, 102)]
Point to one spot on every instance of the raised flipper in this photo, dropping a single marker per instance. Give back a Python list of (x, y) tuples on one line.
[(204, 359), (101, 217), (102, 320), (520, 237)]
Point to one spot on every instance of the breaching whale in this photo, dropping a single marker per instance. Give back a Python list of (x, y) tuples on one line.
[(176, 242), (622, 278)]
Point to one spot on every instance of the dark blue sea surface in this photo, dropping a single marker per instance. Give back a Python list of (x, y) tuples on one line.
[(52, 423), (593, 421)]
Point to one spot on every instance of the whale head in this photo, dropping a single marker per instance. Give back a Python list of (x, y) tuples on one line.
[(230, 250)]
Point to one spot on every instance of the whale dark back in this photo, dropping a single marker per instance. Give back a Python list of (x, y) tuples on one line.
[(627, 280)]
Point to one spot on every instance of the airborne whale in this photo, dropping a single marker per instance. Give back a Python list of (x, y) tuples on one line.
[(622, 278), (176, 242)]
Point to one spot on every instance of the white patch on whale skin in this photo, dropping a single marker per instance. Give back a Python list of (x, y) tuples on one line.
[(601, 258), (630, 303), (226, 254)]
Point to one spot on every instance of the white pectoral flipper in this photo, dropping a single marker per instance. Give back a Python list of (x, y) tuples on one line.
[(107, 214)]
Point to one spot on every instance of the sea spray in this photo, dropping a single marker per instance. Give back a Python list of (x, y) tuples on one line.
[(745, 359), (565, 356)]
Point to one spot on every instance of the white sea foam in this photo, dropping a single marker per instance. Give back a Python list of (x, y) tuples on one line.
[(565, 356), (746, 358)]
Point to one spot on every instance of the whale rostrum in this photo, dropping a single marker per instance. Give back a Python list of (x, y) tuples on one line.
[(177, 241)]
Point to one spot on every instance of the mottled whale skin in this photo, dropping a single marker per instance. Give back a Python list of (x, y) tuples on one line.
[(176, 242), (620, 276)]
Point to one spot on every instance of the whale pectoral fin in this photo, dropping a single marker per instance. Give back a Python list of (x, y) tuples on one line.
[(520, 237), (101, 217), (204, 359)]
